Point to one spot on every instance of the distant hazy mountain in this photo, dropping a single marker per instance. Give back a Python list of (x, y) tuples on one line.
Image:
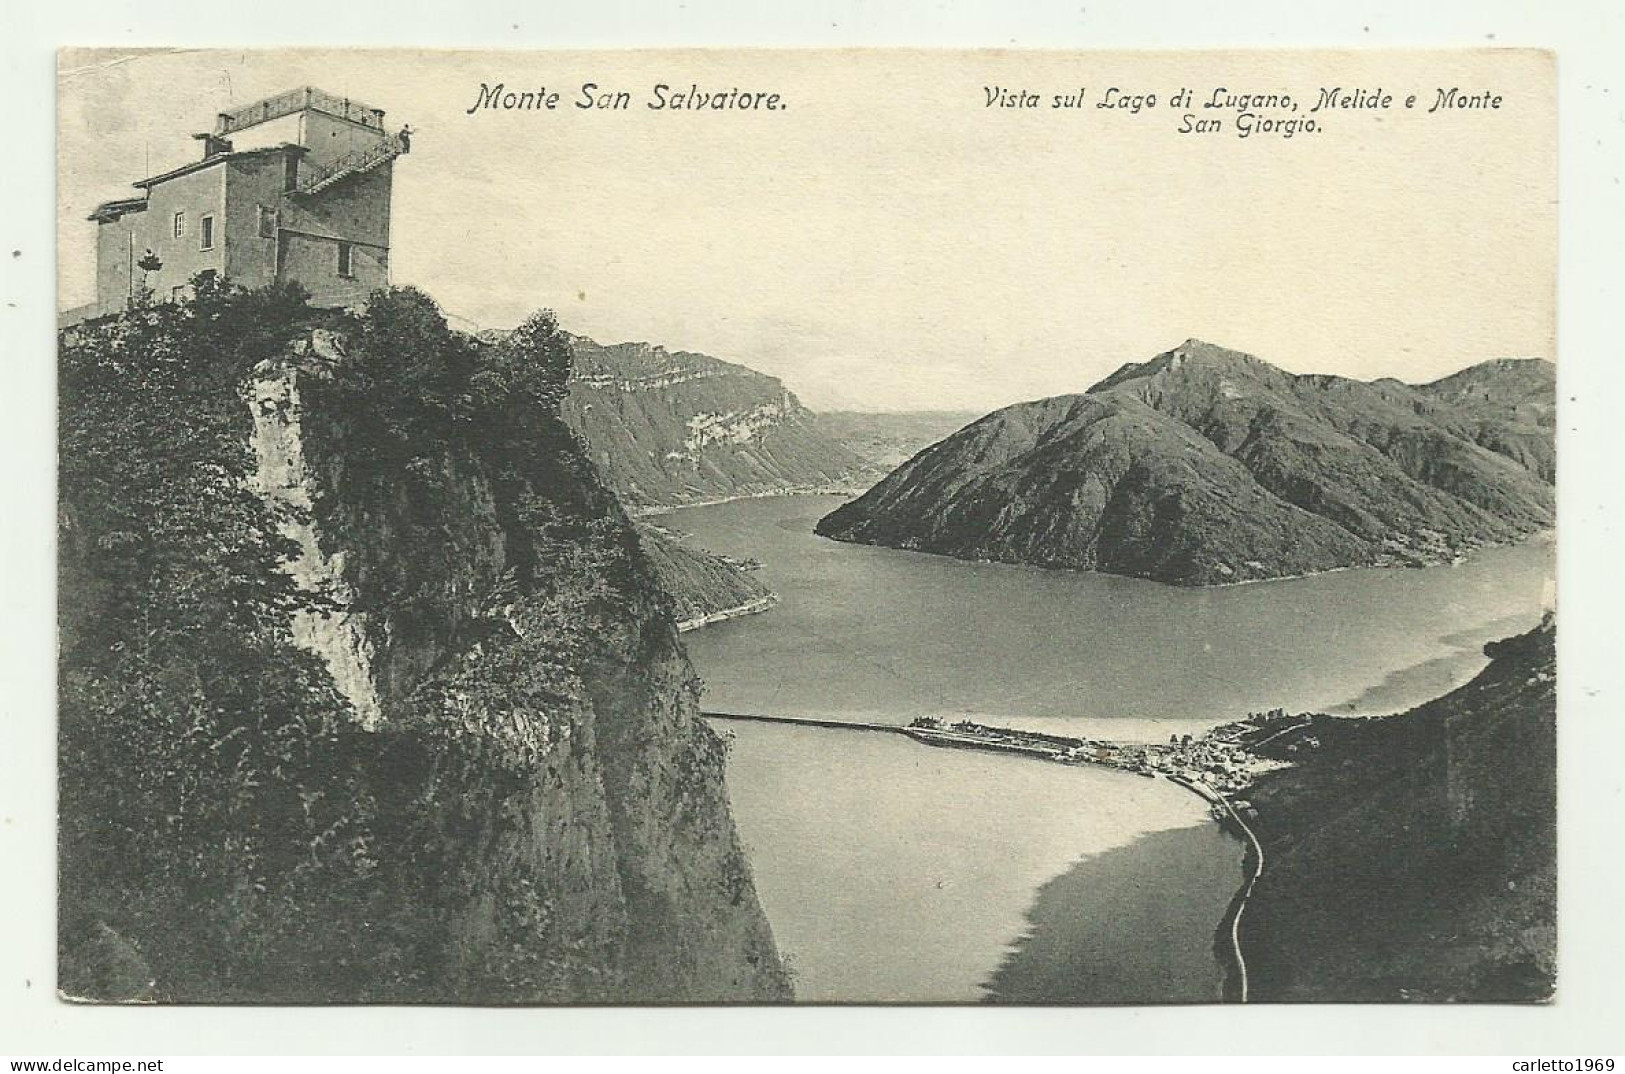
[(887, 440), (1206, 465), (669, 427)]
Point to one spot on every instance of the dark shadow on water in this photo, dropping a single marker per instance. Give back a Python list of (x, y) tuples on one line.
[(1132, 925)]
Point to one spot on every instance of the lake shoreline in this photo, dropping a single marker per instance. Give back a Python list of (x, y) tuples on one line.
[(721, 615), (1433, 562), (868, 906), (655, 510), (866, 634), (1227, 939)]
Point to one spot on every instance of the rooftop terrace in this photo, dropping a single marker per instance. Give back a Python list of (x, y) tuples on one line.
[(298, 100)]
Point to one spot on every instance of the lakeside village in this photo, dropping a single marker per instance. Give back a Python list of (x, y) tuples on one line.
[(1217, 765)]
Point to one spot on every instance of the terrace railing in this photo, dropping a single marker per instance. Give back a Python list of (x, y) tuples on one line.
[(297, 100), (315, 178)]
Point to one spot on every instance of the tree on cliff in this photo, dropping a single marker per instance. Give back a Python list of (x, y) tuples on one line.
[(427, 384), (535, 360), (411, 368), (229, 832)]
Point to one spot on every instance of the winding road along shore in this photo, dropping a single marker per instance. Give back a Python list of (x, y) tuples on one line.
[(1257, 853)]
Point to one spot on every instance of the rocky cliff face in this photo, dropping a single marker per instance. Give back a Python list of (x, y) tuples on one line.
[(338, 635), (1414, 857), (670, 427), (1206, 466), (484, 778)]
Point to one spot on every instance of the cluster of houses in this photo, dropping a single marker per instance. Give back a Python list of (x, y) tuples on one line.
[(970, 735), (1218, 763), (1222, 764)]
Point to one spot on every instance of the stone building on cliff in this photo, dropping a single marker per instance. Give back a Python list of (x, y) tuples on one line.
[(292, 187)]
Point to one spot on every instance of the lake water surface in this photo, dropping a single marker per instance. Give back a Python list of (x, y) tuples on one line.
[(893, 871), (883, 635)]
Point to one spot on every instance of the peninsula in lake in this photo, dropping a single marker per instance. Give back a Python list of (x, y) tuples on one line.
[(1205, 466)]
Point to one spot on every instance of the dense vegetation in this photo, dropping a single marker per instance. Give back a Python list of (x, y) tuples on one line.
[(1415, 856), (228, 831), (197, 744)]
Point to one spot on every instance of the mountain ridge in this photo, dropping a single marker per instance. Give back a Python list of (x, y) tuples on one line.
[(671, 428), (1204, 465)]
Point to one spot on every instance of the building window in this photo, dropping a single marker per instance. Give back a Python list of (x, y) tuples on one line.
[(346, 266), (267, 222), (177, 294), (180, 224), (206, 233)]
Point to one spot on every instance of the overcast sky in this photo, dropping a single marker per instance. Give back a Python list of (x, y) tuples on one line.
[(887, 241)]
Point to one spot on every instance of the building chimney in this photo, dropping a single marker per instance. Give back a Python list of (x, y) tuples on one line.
[(213, 144)]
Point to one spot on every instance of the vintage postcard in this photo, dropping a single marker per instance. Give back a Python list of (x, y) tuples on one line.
[(850, 526)]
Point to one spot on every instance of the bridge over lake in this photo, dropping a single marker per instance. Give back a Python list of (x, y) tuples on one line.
[(805, 721), (1253, 864)]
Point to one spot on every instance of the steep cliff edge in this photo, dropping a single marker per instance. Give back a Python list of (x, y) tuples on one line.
[(368, 691), (1205, 466)]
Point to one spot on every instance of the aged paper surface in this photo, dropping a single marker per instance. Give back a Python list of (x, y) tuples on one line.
[(840, 527)]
